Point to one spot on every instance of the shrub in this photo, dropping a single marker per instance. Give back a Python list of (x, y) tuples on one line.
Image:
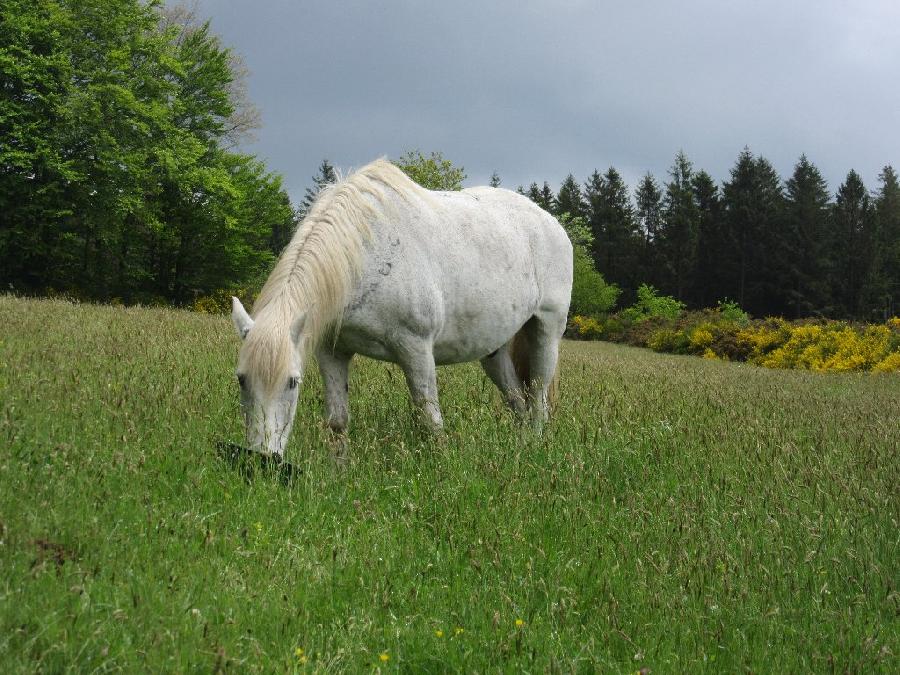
[(833, 347), (591, 295), (701, 338), (727, 333), (219, 302), (667, 340), (731, 311), (585, 328), (652, 305), (889, 364), (757, 341)]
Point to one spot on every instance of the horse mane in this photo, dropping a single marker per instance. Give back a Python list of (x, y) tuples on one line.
[(319, 267)]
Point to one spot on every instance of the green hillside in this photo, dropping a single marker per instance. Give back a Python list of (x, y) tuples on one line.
[(678, 514)]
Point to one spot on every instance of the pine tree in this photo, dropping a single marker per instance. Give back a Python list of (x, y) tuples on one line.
[(495, 179), (855, 248), (569, 199), (803, 253), (648, 215), (534, 193), (648, 207), (680, 228), (710, 243), (595, 216), (325, 176), (546, 200), (887, 208), (618, 243), (753, 207)]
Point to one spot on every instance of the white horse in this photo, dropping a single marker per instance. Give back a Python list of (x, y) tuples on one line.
[(384, 268)]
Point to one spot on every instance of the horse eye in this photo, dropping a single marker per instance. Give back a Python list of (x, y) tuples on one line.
[(242, 380), (293, 382)]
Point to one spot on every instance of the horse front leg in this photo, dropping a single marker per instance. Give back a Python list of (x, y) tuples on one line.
[(421, 377), (335, 369)]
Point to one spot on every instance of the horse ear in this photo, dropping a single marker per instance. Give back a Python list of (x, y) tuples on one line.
[(297, 328), (242, 321)]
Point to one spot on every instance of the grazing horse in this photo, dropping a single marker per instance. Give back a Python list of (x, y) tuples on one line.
[(385, 268)]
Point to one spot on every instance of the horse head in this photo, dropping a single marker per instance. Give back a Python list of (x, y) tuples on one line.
[(269, 372)]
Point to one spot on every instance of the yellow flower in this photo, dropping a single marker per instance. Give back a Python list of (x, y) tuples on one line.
[(439, 633), (384, 657), (458, 631), (298, 652), (519, 623), (258, 526)]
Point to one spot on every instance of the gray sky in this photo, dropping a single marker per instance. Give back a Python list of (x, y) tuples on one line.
[(535, 90)]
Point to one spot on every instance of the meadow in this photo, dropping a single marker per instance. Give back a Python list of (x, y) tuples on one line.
[(677, 515)]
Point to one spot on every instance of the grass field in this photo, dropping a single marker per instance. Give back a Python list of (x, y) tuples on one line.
[(678, 514)]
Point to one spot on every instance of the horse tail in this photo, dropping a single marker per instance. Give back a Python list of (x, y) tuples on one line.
[(521, 361), (522, 364)]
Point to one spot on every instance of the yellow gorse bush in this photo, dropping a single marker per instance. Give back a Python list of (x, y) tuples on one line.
[(761, 339), (701, 338), (826, 346), (889, 364), (586, 327), (834, 347)]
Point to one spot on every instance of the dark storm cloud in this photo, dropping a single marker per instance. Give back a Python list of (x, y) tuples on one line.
[(536, 90)]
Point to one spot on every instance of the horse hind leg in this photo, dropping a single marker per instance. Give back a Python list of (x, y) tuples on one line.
[(538, 342), (500, 368)]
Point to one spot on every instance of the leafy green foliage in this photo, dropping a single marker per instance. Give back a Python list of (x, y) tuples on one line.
[(651, 305), (591, 295), (731, 311), (432, 172), (115, 182)]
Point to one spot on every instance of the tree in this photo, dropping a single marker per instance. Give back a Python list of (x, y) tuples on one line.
[(181, 22), (115, 179), (569, 199), (543, 197), (591, 295), (432, 172), (495, 179), (887, 209), (804, 252), (546, 200), (710, 240), (680, 228), (618, 243), (648, 216), (752, 202), (854, 246), (648, 207), (326, 176)]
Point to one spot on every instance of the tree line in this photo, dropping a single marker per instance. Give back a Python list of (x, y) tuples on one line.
[(119, 179), (776, 247)]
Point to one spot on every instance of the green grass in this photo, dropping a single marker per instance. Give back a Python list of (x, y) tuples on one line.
[(678, 514)]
